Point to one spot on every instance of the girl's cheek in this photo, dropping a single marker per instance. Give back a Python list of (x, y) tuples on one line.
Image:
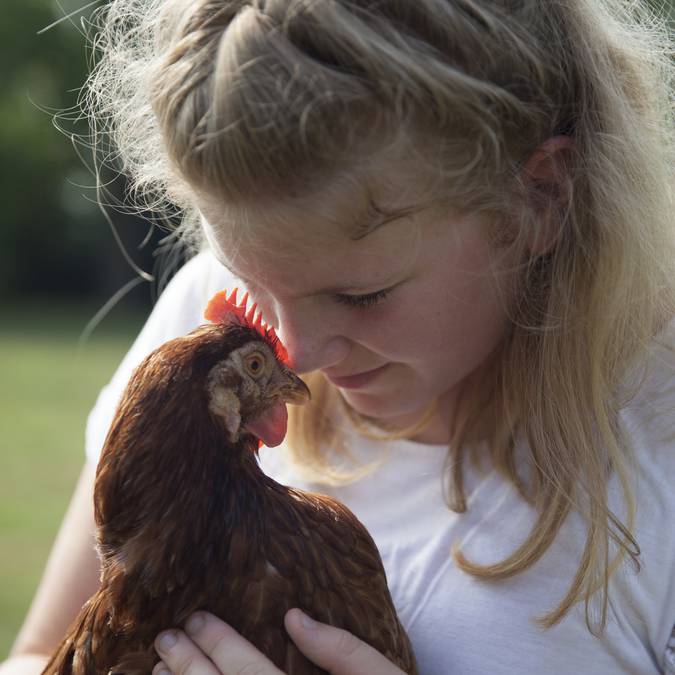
[(388, 331), (391, 328)]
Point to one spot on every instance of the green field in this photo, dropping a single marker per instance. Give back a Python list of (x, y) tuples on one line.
[(48, 383)]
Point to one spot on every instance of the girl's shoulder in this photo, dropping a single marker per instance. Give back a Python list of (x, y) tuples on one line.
[(181, 304), (646, 597), (179, 309)]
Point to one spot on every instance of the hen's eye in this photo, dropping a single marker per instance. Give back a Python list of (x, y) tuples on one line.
[(254, 364), (363, 300)]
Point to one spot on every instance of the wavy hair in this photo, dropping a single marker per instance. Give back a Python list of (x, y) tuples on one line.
[(278, 97)]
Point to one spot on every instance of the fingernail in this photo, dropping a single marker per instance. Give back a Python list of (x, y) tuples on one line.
[(167, 640), (194, 624), (163, 671), (306, 621)]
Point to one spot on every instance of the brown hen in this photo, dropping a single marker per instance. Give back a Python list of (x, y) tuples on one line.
[(187, 520)]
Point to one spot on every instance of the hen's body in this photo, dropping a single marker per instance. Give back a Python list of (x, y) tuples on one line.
[(187, 520)]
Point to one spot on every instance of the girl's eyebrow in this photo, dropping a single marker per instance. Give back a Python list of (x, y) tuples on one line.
[(378, 216)]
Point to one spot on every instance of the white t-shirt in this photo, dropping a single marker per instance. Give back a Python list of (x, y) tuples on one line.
[(457, 623)]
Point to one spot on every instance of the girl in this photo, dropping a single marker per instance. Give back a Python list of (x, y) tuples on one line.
[(458, 216)]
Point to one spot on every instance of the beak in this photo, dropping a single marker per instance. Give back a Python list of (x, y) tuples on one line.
[(288, 387)]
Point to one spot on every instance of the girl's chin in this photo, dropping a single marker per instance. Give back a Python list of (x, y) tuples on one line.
[(421, 425), (380, 407)]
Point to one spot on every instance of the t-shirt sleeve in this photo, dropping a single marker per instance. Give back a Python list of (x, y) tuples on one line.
[(179, 309), (650, 421)]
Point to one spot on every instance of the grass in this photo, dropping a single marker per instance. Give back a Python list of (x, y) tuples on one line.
[(48, 384)]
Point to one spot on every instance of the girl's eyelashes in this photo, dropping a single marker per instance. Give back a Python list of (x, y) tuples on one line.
[(363, 300)]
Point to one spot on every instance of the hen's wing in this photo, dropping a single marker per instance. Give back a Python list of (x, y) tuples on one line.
[(331, 561)]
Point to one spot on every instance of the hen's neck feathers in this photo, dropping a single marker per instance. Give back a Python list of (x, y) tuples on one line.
[(168, 475)]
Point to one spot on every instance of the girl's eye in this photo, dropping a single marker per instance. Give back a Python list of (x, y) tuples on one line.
[(363, 300)]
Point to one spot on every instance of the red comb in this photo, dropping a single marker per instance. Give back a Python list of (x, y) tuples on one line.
[(222, 309)]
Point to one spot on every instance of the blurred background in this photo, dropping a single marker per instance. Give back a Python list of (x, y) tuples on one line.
[(61, 266)]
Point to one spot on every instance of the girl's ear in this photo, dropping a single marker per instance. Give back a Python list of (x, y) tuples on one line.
[(545, 173)]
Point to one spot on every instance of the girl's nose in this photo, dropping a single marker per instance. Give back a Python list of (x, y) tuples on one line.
[(309, 339)]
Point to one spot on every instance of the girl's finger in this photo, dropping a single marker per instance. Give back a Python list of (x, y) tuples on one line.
[(336, 650), (181, 656), (227, 649), (161, 669)]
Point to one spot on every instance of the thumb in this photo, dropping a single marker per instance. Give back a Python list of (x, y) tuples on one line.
[(334, 649)]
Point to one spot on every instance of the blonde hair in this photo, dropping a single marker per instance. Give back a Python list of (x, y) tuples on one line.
[(276, 97)]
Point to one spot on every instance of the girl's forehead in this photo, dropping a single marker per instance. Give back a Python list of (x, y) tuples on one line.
[(311, 240), (345, 217)]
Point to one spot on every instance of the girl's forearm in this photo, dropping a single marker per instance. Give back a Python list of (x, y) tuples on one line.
[(71, 576), (24, 664)]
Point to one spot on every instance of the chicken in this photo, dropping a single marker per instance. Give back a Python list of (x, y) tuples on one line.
[(187, 520)]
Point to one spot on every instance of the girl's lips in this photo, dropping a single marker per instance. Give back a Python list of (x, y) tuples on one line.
[(355, 381)]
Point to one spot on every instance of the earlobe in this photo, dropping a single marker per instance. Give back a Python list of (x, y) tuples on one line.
[(224, 402), (546, 165), (546, 176)]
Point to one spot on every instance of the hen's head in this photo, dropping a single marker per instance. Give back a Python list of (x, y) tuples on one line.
[(249, 387)]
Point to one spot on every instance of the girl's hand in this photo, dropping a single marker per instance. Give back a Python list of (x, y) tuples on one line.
[(210, 647)]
